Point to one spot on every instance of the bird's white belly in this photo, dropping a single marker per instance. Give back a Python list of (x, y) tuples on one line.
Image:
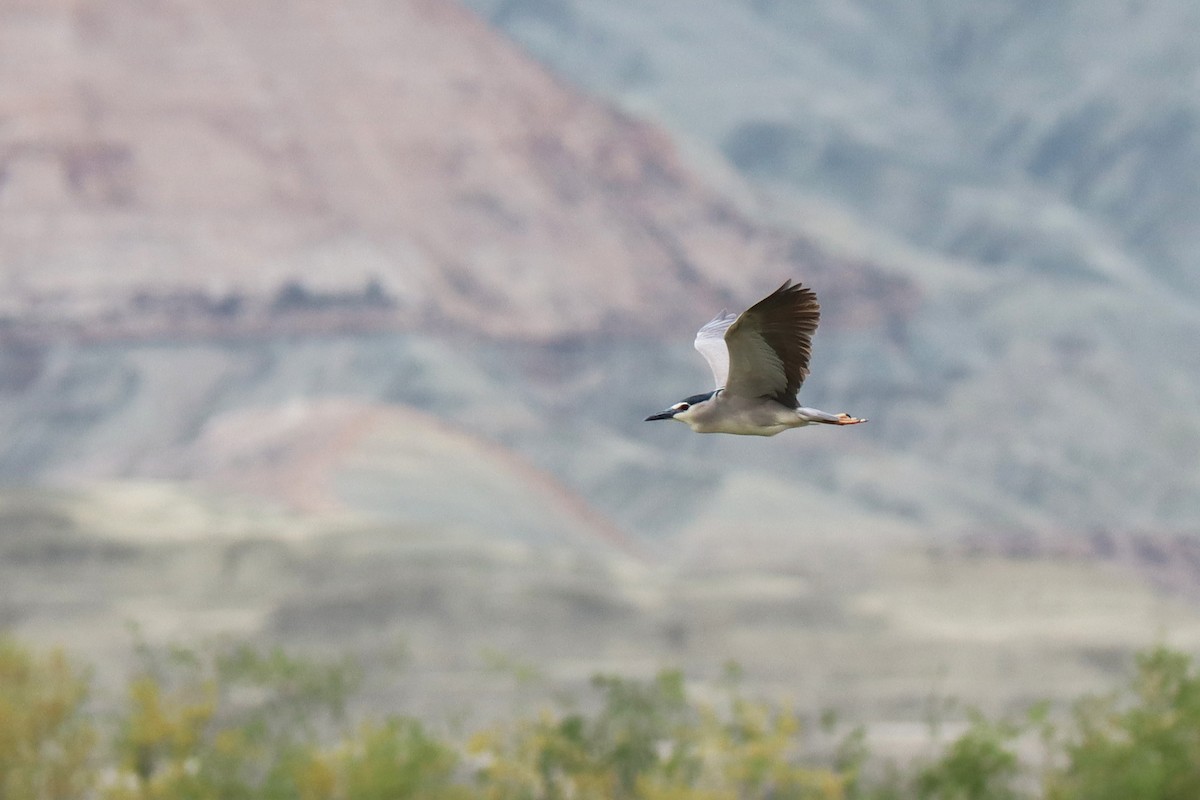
[(743, 429), (749, 419)]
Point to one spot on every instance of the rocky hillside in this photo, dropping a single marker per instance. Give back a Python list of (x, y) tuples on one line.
[(192, 173), (1062, 139), (335, 325), (443, 224), (1031, 169), (206, 169)]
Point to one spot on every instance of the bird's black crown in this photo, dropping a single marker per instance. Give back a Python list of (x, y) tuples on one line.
[(699, 398)]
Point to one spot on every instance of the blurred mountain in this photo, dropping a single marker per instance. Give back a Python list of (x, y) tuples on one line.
[(329, 324), (1033, 170), (186, 190), (1055, 139), (211, 168), (194, 173)]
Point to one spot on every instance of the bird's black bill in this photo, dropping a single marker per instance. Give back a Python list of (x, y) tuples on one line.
[(663, 415)]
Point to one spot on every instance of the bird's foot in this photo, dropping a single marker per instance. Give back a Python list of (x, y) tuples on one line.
[(846, 419)]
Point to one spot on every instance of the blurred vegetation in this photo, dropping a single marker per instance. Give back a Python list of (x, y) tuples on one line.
[(236, 722)]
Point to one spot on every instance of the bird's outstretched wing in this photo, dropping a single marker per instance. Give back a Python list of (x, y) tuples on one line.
[(710, 342), (770, 344)]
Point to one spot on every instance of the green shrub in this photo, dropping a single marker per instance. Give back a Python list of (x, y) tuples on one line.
[(1143, 743), (241, 724), (978, 765), (649, 742), (46, 743)]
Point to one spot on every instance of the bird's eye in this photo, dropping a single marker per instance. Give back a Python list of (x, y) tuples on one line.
[(682, 406)]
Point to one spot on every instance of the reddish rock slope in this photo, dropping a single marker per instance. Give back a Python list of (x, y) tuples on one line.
[(199, 167)]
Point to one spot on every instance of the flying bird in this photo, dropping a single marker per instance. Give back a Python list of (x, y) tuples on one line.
[(758, 358)]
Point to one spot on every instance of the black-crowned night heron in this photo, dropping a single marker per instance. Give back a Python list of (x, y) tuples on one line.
[(759, 359)]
